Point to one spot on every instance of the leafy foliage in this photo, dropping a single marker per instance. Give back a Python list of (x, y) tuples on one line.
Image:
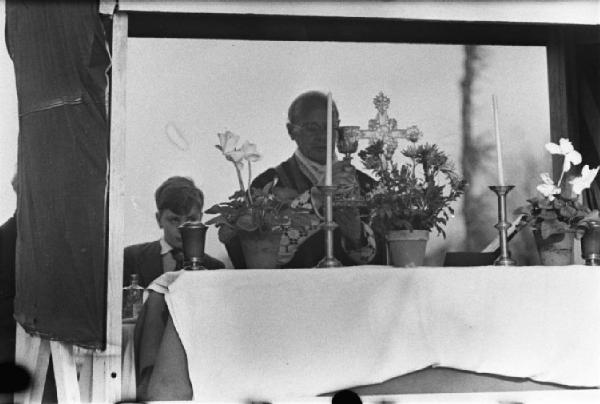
[(266, 209), (416, 195), (559, 215), (559, 210)]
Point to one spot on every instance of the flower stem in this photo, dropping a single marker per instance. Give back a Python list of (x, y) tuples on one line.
[(560, 179), (239, 174), (561, 174), (249, 179)]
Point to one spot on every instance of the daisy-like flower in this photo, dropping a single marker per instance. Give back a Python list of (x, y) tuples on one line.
[(413, 133), (585, 180), (565, 148), (548, 189)]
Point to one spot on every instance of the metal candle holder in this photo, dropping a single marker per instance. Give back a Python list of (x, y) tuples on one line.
[(193, 236), (590, 243), (501, 191), (329, 261)]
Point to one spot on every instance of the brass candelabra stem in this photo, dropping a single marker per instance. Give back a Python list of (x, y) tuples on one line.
[(504, 259), (329, 261)]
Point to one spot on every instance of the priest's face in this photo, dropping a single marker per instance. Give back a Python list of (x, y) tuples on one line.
[(169, 222), (309, 131)]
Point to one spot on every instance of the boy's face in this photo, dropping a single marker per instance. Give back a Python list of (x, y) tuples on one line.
[(169, 221)]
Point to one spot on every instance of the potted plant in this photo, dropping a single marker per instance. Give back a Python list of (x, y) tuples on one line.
[(257, 216), (556, 215), (411, 198)]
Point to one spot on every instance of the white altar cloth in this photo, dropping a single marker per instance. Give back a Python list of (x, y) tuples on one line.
[(272, 334)]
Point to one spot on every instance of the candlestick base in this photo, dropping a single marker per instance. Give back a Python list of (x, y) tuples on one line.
[(329, 261), (194, 264), (504, 259)]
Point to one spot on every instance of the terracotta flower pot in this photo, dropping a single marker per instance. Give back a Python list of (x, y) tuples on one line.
[(260, 249), (407, 248), (590, 243), (556, 249)]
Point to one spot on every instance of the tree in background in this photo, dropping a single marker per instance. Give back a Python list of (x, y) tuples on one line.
[(475, 152), (479, 203)]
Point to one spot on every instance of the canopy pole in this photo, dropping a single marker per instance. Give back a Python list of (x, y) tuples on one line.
[(106, 385)]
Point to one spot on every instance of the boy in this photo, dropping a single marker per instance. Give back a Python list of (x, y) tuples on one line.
[(178, 200)]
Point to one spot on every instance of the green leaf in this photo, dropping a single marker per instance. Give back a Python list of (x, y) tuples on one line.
[(238, 194), (267, 188), (246, 222), (226, 233), (213, 210), (218, 220), (286, 195)]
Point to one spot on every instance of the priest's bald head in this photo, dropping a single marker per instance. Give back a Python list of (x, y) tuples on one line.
[(307, 124)]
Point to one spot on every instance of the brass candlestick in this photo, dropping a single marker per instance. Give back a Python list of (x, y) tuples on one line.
[(504, 259), (329, 261), (193, 235)]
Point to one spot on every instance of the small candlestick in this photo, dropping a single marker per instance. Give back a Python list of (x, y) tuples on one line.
[(498, 142), (329, 163), (329, 261), (504, 259)]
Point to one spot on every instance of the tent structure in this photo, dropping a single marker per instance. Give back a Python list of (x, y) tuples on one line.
[(570, 31)]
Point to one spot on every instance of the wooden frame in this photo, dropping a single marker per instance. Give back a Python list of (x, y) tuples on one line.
[(106, 386), (228, 20)]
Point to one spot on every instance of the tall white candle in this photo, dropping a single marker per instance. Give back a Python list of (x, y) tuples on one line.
[(328, 164), (498, 141)]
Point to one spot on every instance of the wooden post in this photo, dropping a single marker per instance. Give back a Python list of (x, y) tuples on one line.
[(106, 385), (65, 372), (33, 354)]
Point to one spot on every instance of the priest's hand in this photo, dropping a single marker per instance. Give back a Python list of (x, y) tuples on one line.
[(350, 226)]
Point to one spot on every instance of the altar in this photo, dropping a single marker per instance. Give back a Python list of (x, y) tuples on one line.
[(276, 334)]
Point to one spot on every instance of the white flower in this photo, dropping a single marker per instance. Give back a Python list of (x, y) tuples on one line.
[(249, 152), (585, 180), (566, 149), (548, 189), (228, 142)]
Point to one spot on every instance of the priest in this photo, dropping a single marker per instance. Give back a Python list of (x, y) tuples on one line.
[(304, 171)]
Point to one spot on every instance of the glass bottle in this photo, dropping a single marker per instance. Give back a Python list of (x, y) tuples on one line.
[(133, 298)]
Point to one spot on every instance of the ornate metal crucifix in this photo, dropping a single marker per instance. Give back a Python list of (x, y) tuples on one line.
[(384, 128)]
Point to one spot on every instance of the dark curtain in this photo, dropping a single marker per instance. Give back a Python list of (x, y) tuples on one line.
[(588, 90), (8, 238), (61, 62)]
